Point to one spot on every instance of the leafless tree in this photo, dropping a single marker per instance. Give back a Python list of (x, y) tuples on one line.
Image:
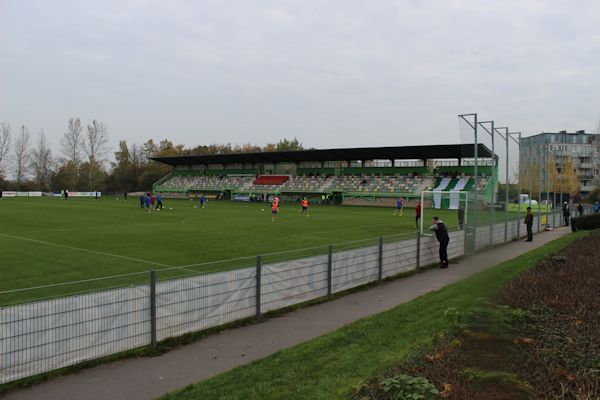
[(72, 146), (41, 162), (96, 143), (95, 147), (4, 145), (21, 156)]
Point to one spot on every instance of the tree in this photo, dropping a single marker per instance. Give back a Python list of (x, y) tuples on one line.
[(123, 175), (4, 146), (21, 156), (72, 146), (289, 145), (95, 147), (41, 163), (63, 177)]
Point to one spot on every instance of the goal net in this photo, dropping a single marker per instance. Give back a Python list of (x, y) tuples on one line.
[(452, 207)]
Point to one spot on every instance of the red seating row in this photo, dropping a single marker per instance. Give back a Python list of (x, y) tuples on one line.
[(271, 179)]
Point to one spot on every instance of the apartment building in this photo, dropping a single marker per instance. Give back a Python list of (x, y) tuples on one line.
[(581, 148)]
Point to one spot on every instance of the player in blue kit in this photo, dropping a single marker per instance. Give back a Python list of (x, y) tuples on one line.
[(399, 206), (147, 200)]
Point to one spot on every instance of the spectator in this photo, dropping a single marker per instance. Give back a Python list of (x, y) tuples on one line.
[(441, 233), (566, 212), (529, 222), (580, 209), (461, 218), (596, 207)]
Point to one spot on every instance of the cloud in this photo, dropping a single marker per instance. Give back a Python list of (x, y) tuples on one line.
[(331, 73)]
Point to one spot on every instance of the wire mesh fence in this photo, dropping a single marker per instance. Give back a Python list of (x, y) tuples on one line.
[(55, 332)]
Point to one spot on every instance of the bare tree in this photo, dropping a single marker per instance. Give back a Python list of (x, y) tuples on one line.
[(96, 143), (21, 156), (4, 145), (41, 162), (95, 147), (72, 146)]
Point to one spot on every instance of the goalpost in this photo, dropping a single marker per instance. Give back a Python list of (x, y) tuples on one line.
[(445, 200)]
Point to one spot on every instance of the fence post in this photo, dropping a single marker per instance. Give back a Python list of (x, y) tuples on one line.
[(329, 268), (153, 308), (380, 258), (418, 250), (258, 284), (465, 238)]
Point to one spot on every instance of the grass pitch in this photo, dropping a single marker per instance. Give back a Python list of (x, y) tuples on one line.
[(46, 241)]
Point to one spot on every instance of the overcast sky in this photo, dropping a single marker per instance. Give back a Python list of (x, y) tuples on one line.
[(331, 73)]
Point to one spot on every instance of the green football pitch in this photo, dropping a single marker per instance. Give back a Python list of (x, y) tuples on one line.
[(45, 241)]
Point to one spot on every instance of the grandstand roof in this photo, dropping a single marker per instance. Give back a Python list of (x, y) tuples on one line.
[(440, 151)]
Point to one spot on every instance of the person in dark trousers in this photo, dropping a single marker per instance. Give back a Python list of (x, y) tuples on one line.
[(566, 212), (142, 200), (461, 218), (441, 233), (66, 194), (159, 204), (125, 196), (417, 214), (529, 222), (580, 209)]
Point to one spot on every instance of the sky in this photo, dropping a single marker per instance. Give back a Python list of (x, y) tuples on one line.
[(331, 73)]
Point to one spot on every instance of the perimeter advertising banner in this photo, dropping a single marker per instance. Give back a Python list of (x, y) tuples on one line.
[(56, 194)]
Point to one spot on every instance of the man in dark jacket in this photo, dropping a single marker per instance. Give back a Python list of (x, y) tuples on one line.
[(529, 222), (441, 233), (566, 212)]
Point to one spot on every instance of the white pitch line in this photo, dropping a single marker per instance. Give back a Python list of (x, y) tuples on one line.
[(85, 250)]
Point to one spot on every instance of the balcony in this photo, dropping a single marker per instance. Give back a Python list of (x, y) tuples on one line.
[(586, 165)]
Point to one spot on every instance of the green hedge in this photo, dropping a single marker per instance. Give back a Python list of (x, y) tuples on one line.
[(587, 222)]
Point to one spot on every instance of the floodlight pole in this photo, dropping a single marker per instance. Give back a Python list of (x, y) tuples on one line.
[(505, 137), (475, 172), (493, 220), (562, 167), (554, 189), (539, 157), (547, 176), (530, 171), (511, 134)]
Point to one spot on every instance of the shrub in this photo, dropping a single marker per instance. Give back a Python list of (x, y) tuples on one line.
[(404, 387), (588, 222)]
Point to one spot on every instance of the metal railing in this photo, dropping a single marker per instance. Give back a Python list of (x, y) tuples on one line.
[(41, 336)]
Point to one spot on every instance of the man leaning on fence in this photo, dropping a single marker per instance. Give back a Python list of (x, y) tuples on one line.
[(529, 222), (441, 233)]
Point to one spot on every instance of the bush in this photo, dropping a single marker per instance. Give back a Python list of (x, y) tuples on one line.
[(406, 387), (587, 222)]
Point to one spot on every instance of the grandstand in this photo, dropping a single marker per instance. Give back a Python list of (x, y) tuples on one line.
[(359, 176)]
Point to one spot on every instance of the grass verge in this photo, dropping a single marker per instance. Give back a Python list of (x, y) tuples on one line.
[(336, 365)]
